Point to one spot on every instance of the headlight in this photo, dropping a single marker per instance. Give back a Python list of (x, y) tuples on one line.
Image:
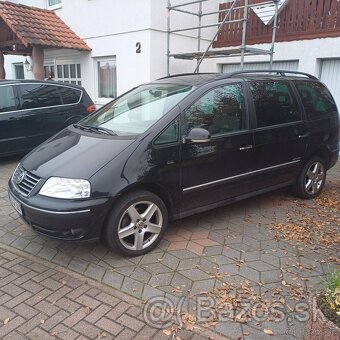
[(66, 188)]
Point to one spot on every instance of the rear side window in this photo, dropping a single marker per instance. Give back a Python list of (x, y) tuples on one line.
[(220, 111), (39, 95), (7, 99), (316, 99), (69, 95), (274, 103)]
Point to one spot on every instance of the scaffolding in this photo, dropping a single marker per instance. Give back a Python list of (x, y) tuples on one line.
[(243, 50)]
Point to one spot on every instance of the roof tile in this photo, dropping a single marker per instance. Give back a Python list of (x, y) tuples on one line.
[(36, 26)]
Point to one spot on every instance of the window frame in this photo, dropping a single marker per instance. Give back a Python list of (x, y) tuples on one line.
[(178, 120), (212, 88), (15, 66), (294, 94), (55, 6), (96, 61)]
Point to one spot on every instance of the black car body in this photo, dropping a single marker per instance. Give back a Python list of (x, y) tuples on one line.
[(32, 111), (225, 138)]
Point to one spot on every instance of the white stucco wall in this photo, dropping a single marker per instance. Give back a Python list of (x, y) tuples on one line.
[(112, 28), (308, 52)]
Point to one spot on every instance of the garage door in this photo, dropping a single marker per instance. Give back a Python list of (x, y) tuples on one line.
[(330, 75), (291, 65)]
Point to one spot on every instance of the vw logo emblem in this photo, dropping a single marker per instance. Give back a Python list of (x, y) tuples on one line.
[(19, 179)]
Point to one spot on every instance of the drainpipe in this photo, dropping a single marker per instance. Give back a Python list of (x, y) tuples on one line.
[(2, 66), (38, 63)]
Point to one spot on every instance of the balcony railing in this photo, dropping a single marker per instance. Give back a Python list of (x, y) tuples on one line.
[(299, 20)]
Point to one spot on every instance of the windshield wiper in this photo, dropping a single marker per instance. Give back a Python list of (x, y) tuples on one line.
[(97, 129)]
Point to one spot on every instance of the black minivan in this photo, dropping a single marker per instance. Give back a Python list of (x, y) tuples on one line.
[(32, 111), (175, 147)]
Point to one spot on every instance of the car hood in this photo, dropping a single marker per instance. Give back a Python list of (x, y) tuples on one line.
[(74, 154)]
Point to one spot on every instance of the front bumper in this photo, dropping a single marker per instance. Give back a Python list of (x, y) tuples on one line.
[(63, 219)]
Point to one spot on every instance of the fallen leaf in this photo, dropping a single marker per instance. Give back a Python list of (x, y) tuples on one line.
[(6, 321), (268, 331), (167, 332)]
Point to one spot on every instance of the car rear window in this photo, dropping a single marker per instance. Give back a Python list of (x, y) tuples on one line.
[(316, 99), (7, 99), (39, 95), (69, 95), (274, 102)]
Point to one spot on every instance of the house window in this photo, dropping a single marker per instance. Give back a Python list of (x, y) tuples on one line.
[(53, 2), (107, 78), (69, 73), (49, 72), (19, 71)]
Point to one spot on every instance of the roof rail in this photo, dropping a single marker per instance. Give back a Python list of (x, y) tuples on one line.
[(186, 74), (277, 72)]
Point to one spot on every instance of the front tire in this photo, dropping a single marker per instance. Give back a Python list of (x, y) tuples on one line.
[(137, 223), (312, 178)]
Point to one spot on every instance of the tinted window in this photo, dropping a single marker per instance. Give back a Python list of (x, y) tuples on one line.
[(274, 103), (169, 135), (7, 99), (316, 99), (39, 95), (70, 96), (219, 111)]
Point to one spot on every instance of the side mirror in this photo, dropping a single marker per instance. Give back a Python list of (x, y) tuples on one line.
[(198, 135)]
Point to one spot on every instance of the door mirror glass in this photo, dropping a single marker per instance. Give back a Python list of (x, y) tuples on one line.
[(198, 135)]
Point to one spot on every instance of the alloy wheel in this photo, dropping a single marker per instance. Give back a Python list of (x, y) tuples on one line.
[(140, 225), (315, 177)]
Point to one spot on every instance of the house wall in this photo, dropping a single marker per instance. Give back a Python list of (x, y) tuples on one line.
[(112, 28)]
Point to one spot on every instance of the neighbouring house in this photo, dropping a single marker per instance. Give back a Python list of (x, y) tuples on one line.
[(307, 40), (128, 41)]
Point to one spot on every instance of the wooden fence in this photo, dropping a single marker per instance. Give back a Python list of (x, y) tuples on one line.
[(299, 20)]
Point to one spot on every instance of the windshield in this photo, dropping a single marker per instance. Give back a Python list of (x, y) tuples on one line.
[(136, 111)]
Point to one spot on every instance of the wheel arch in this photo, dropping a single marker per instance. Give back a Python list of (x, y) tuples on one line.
[(156, 189)]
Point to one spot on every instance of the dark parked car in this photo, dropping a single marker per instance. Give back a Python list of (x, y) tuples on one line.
[(176, 147), (32, 111)]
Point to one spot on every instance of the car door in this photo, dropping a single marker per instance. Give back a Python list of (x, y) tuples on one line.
[(215, 170), (42, 111), (12, 129), (280, 137)]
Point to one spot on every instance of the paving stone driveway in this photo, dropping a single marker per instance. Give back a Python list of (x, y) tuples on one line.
[(202, 256)]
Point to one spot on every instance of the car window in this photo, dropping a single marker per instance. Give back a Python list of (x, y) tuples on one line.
[(169, 135), (137, 110), (69, 95), (219, 111), (316, 99), (39, 95), (7, 99), (274, 103)]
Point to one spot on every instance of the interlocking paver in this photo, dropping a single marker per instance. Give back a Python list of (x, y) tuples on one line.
[(232, 244)]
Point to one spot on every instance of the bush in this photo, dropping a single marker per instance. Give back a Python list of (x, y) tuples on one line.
[(329, 299)]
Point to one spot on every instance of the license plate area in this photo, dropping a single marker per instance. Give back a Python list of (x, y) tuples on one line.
[(16, 205)]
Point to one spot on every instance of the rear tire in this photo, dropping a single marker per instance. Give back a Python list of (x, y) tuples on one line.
[(312, 178), (137, 223)]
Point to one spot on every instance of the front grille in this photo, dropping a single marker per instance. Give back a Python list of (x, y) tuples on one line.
[(24, 180)]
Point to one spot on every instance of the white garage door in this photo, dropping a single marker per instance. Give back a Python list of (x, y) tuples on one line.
[(291, 65), (330, 75)]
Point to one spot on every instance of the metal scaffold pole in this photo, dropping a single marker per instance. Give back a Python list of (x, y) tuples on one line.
[(272, 50), (168, 38), (213, 39), (224, 12), (244, 32)]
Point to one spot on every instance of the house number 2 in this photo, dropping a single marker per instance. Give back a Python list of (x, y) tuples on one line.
[(139, 47)]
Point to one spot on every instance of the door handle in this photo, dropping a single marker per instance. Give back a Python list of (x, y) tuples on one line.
[(247, 147)]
